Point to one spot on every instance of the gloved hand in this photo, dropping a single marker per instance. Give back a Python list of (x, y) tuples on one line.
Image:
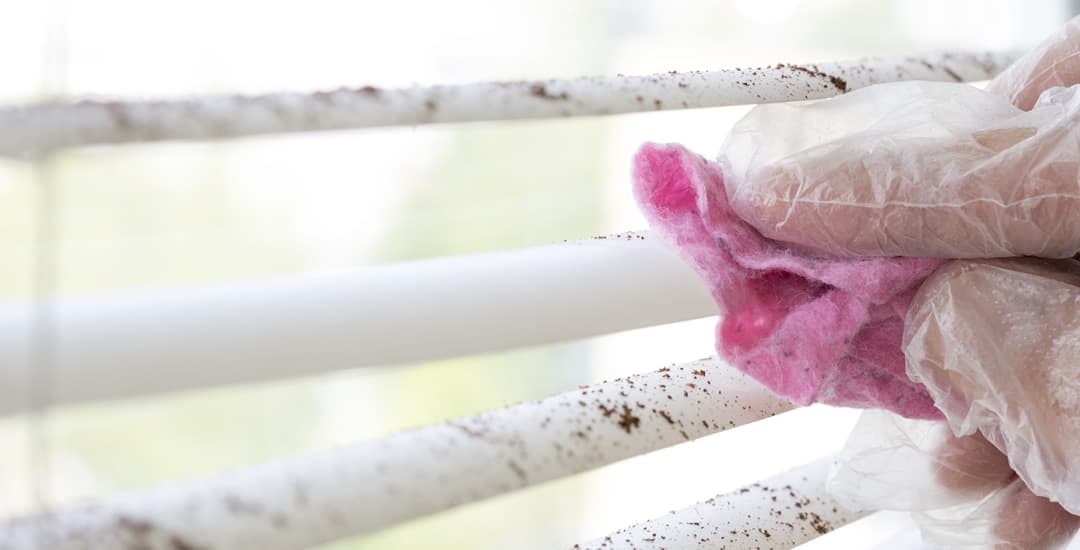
[(946, 170), (962, 490), (921, 168), (997, 343)]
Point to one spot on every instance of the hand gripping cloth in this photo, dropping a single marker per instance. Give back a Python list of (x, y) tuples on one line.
[(812, 329)]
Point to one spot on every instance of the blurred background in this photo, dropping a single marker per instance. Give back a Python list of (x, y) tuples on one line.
[(175, 215)]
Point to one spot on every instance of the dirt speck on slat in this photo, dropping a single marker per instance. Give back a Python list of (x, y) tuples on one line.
[(836, 81), (541, 91)]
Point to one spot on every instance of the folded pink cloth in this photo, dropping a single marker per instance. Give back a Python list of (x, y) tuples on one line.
[(812, 329)]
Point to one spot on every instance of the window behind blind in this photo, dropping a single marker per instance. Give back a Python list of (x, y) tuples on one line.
[(167, 216)]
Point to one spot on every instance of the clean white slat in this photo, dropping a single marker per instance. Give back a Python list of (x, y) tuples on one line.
[(126, 345)]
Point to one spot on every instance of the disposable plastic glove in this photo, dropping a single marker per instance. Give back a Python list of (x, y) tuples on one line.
[(946, 170), (920, 168), (997, 344), (963, 492)]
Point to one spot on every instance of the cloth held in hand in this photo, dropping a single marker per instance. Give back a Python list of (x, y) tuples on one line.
[(812, 329)]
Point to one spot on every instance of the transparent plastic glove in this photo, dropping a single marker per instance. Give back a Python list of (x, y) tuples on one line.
[(920, 168), (1055, 62), (924, 169), (962, 490), (997, 344)]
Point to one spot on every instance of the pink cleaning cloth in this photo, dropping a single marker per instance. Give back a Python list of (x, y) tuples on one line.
[(812, 329)]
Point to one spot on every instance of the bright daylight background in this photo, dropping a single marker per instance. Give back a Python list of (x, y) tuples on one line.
[(195, 213)]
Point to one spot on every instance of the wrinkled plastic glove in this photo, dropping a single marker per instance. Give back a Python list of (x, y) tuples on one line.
[(922, 168), (996, 343), (946, 170), (962, 490)]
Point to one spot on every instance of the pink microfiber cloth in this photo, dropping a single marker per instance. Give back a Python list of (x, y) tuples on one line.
[(812, 329)]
